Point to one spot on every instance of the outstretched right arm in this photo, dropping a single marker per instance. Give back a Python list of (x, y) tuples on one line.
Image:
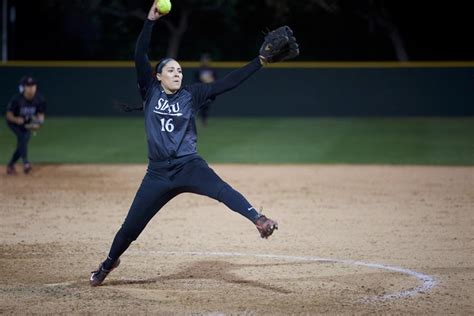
[(142, 63)]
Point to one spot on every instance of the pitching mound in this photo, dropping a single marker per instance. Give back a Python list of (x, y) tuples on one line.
[(352, 239)]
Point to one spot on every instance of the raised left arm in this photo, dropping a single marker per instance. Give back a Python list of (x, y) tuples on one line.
[(235, 78)]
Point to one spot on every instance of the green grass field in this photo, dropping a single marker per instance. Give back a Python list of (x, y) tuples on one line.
[(420, 141)]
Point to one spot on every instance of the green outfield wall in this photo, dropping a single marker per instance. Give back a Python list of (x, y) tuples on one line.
[(292, 89)]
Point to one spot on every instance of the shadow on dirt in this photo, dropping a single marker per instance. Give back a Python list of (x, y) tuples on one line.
[(213, 270)]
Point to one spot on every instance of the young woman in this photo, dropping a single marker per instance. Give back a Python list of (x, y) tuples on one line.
[(174, 165)]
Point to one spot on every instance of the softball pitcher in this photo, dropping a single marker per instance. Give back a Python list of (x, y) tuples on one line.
[(174, 165)]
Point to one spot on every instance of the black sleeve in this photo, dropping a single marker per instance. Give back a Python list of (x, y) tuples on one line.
[(234, 79), (142, 63), (13, 106), (204, 92)]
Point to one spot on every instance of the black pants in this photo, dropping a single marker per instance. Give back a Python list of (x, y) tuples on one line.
[(165, 180), (22, 137)]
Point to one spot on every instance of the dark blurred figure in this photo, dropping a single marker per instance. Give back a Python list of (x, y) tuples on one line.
[(205, 74), (25, 114)]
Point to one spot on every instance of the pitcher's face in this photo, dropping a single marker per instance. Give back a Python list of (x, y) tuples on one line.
[(171, 76)]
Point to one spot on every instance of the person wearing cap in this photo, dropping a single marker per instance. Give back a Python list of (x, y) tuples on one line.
[(25, 112)]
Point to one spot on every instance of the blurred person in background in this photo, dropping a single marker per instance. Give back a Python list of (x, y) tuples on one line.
[(205, 74), (25, 114)]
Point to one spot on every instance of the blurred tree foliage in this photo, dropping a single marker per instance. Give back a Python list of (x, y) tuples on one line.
[(227, 29), (99, 23), (232, 29)]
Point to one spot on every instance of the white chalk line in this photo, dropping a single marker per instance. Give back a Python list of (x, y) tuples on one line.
[(60, 284), (427, 282)]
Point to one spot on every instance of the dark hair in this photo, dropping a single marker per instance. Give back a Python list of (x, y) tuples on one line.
[(159, 67)]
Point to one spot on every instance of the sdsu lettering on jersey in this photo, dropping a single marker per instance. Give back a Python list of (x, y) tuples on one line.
[(26, 109)]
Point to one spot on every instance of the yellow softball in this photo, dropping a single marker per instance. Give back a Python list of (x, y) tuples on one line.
[(163, 6)]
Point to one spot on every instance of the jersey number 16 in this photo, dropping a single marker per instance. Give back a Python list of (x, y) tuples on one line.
[(167, 125)]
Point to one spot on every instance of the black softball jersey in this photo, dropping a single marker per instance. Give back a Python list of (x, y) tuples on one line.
[(170, 118)]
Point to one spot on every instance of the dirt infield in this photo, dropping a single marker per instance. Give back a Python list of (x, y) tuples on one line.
[(352, 239)]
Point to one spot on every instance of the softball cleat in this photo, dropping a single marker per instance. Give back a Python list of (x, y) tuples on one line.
[(98, 276), (265, 226)]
